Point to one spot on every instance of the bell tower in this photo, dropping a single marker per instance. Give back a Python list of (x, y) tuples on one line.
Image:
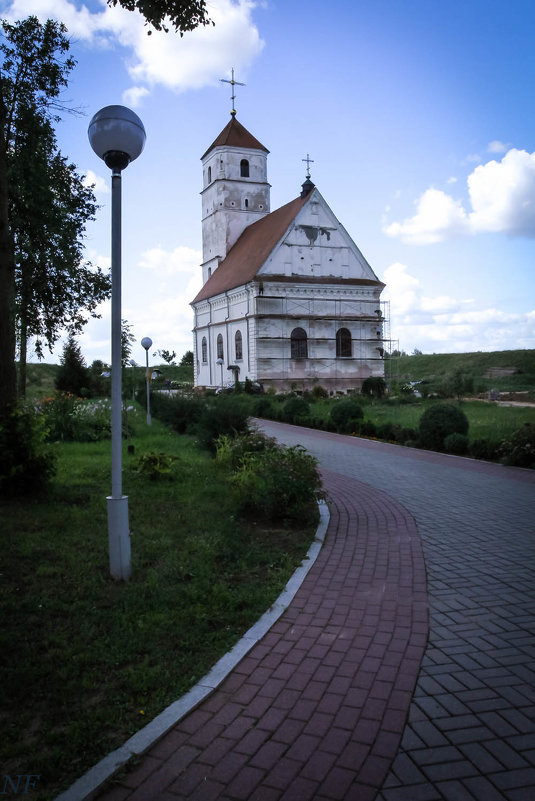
[(235, 191)]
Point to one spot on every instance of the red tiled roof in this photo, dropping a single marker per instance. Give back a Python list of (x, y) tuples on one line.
[(235, 135), (251, 250)]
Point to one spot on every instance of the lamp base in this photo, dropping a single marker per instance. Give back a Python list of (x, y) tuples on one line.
[(119, 537)]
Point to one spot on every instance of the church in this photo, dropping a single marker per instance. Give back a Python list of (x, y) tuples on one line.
[(288, 300)]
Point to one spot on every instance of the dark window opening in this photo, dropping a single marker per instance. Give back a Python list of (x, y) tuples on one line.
[(204, 351), (299, 346), (244, 168), (343, 342), (219, 346)]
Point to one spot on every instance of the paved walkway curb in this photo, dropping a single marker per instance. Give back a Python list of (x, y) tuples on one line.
[(317, 708), (90, 782)]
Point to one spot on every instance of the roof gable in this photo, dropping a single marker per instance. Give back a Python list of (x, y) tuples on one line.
[(251, 250), (235, 135)]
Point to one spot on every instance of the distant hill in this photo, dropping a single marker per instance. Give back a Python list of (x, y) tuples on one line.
[(506, 370)]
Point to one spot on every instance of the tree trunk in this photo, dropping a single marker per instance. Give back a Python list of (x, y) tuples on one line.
[(23, 353), (8, 374)]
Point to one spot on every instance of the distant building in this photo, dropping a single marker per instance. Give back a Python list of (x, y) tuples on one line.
[(288, 299)]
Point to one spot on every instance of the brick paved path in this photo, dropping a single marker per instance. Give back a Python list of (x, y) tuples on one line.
[(471, 729), (317, 708)]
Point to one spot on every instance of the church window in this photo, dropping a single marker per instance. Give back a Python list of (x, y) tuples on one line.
[(203, 351), (343, 342), (244, 168), (209, 175), (298, 342), (238, 345), (246, 203), (219, 346)]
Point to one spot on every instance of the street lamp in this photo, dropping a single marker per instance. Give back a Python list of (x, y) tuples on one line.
[(146, 343), (220, 363), (117, 136)]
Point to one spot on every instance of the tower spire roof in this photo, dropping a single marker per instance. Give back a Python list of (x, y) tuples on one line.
[(235, 135)]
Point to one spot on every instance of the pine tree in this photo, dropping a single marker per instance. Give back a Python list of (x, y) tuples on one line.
[(73, 375)]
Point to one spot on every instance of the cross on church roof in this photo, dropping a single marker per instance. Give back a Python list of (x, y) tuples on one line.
[(233, 83), (309, 161)]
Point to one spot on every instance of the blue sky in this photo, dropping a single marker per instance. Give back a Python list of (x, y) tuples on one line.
[(419, 117)]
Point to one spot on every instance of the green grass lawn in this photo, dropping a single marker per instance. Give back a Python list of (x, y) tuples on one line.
[(87, 661)]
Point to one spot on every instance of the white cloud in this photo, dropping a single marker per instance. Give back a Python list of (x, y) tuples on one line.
[(447, 324), (497, 147), (133, 97), (438, 216), (99, 184), (502, 198), (197, 59), (180, 260)]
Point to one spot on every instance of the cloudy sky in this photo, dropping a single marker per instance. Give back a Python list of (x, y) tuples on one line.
[(419, 118)]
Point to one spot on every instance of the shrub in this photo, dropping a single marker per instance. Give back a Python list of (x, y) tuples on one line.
[(437, 422), (456, 444), (232, 451), (278, 484), (155, 466), (374, 386), (294, 408), (345, 415), (484, 449), (368, 429), (319, 392), (519, 449), (225, 414), (71, 419), (181, 412), (27, 463)]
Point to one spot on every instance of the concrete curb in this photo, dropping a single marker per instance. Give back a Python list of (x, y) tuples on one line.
[(84, 788)]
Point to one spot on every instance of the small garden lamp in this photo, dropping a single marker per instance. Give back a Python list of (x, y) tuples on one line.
[(117, 136), (146, 343)]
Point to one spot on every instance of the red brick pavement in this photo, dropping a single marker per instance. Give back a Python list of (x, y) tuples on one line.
[(317, 708)]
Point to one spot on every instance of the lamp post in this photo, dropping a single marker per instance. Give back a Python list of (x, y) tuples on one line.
[(146, 343), (220, 363), (117, 136)]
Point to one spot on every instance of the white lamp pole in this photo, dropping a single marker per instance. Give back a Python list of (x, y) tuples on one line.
[(146, 343), (117, 136), (220, 363)]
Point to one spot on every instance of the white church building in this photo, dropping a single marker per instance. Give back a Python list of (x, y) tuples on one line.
[(288, 299)]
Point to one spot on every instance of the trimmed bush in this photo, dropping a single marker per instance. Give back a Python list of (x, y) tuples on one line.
[(456, 444), (437, 422), (225, 414), (345, 415), (295, 408), (484, 449)]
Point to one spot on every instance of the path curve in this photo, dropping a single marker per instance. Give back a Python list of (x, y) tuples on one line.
[(317, 708)]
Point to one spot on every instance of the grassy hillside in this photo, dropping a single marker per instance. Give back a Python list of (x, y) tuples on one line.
[(436, 366)]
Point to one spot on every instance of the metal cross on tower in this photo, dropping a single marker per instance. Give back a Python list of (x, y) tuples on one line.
[(309, 161), (233, 83)]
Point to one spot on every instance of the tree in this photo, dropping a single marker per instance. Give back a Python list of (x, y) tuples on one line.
[(166, 355), (184, 15), (73, 375), (36, 183), (54, 288), (187, 359), (127, 338)]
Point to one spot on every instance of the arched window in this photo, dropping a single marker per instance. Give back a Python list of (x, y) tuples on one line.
[(204, 354), (246, 203), (220, 346), (298, 340), (209, 175), (238, 345), (343, 342), (244, 168)]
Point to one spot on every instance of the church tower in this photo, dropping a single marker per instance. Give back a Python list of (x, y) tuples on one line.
[(235, 191)]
